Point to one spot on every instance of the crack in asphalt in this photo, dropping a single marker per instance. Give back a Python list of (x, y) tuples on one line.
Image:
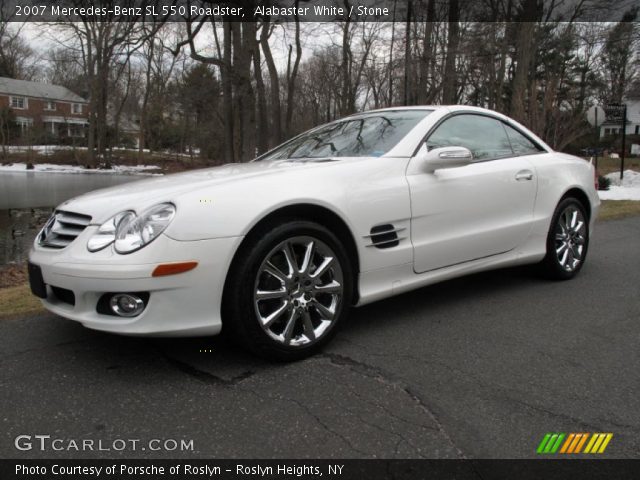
[(372, 372), (504, 389), (19, 353), (211, 379), (384, 377), (555, 414), (401, 438), (309, 413), (203, 375), (326, 427), (494, 385), (390, 412)]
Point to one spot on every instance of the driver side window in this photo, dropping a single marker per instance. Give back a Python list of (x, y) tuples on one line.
[(484, 136)]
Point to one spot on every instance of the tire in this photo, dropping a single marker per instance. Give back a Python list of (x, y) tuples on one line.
[(567, 240), (288, 290)]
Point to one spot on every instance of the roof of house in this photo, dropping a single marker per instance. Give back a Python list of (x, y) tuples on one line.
[(11, 86)]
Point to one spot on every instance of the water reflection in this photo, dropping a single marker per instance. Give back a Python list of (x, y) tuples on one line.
[(18, 228), (28, 198), (31, 189)]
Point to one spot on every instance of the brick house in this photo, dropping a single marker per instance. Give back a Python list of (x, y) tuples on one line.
[(52, 108)]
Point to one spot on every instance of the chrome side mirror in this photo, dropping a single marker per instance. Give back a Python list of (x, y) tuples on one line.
[(445, 157)]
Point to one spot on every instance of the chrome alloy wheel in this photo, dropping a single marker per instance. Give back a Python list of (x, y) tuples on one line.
[(298, 291), (570, 238)]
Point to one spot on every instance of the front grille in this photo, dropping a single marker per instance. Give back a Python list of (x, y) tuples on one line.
[(62, 229)]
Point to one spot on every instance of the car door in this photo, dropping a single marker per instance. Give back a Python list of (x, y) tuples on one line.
[(474, 211)]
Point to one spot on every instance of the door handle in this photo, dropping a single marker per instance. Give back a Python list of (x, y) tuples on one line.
[(524, 175)]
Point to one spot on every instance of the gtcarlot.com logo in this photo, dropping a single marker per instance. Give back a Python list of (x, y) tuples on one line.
[(44, 443), (569, 443)]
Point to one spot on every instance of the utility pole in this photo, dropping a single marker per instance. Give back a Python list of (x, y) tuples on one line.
[(597, 137)]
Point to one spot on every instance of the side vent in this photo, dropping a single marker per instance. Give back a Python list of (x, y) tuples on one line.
[(385, 236)]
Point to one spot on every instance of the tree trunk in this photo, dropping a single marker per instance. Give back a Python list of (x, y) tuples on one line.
[(292, 77), (450, 80), (244, 131), (407, 54), (426, 59), (263, 123), (145, 102), (525, 50), (345, 68), (393, 34), (227, 97), (274, 87)]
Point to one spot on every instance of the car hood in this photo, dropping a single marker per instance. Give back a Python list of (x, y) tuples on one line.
[(102, 204)]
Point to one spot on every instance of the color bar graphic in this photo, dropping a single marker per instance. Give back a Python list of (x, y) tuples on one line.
[(572, 443), (550, 443)]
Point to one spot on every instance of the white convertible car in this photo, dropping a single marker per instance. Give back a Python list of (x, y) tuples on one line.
[(278, 249)]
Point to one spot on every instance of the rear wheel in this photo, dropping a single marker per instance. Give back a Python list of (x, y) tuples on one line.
[(567, 241), (288, 291)]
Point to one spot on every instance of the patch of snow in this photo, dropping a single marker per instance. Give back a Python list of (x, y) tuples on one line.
[(631, 178), (50, 149), (620, 193), (41, 149), (628, 189), (52, 168)]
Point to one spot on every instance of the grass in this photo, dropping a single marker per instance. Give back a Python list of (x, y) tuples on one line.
[(610, 165), (613, 209), (18, 301)]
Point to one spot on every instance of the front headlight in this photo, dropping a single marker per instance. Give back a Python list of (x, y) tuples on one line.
[(133, 232), (106, 234)]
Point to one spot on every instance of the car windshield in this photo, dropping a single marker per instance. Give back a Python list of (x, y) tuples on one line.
[(370, 135)]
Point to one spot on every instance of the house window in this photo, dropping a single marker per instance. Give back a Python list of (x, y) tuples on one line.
[(50, 105), (76, 108), (75, 130), (637, 129), (19, 102), (24, 123)]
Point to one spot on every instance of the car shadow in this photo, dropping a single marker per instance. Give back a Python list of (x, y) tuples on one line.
[(218, 360), (443, 294)]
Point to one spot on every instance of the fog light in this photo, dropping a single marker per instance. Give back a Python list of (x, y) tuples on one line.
[(126, 304)]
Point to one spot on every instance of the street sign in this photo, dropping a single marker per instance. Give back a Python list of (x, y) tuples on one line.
[(615, 113)]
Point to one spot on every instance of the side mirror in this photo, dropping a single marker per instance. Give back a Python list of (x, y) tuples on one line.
[(445, 157)]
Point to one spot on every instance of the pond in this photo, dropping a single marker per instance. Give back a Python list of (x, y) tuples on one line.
[(28, 198)]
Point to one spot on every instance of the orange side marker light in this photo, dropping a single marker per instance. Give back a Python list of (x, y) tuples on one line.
[(173, 268)]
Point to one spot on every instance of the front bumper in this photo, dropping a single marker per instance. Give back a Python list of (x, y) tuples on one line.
[(185, 304)]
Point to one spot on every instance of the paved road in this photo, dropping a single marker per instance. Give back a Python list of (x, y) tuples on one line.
[(478, 367)]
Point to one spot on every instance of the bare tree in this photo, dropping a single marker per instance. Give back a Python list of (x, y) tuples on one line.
[(17, 58), (158, 66), (101, 41)]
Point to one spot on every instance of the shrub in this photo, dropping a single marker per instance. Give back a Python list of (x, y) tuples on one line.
[(603, 182)]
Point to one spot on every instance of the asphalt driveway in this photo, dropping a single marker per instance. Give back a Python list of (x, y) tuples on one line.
[(480, 367)]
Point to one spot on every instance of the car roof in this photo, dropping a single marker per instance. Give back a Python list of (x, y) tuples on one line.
[(451, 108)]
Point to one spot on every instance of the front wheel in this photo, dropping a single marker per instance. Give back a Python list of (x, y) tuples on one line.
[(567, 241), (288, 291)]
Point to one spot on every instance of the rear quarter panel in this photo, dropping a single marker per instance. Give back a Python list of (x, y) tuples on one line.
[(557, 174)]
